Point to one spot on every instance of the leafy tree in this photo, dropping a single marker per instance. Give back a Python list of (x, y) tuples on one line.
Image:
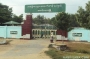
[(53, 21), (5, 13), (47, 20), (83, 16), (62, 21), (80, 17), (73, 22), (39, 20), (18, 19), (87, 14)]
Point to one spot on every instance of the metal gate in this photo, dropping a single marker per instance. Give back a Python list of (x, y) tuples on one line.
[(43, 33)]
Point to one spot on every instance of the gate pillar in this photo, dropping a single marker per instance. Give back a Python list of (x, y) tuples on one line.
[(27, 26)]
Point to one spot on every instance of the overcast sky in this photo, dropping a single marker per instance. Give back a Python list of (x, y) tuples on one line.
[(18, 6)]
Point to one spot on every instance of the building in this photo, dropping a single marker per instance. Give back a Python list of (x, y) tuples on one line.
[(79, 34)]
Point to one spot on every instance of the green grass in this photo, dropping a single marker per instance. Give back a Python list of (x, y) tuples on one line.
[(75, 50), (56, 54)]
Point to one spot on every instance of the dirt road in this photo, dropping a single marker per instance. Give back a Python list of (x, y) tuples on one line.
[(25, 49)]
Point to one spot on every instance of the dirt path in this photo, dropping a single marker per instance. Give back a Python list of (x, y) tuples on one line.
[(25, 49)]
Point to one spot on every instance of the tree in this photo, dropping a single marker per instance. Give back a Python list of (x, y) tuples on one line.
[(87, 14), (80, 17), (83, 16), (73, 22), (53, 21), (62, 20), (5, 13), (39, 20), (18, 19)]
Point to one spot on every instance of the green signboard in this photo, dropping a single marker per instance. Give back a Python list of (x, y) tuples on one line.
[(41, 8)]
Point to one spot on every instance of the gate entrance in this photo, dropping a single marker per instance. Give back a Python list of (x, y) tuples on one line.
[(43, 31), (40, 8), (38, 33)]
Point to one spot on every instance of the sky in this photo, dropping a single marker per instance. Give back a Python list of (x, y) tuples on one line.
[(18, 6)]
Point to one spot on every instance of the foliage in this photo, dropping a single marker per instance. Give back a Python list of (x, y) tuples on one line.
[(83, 16), (18, 19), (70, 28), (62, 21), (5, 13), (80, 16), (65, 21), (39, 20), (53, 21), (72, 21)]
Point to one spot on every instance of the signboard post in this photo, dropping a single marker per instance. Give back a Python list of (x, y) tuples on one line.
[(45, 8)]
